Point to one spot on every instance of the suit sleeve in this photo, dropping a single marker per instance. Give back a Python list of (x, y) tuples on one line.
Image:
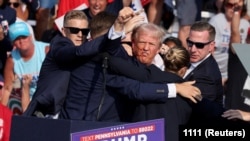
[(121, 66), (208, 86), (136, 71), (64, 51), (137, 90)]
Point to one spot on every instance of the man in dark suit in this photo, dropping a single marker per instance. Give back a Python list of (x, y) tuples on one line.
[(89, 99), (205, 71), (145, 47), (66, 49)]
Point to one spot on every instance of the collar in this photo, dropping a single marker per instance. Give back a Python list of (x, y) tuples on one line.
[(197, 63)]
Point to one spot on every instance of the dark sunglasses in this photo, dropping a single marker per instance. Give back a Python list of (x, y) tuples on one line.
[(197, 44), (232, 5), (74, 30), (15, 4)]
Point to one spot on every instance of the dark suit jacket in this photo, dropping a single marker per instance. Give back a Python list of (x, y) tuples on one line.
[(54, 76), (88, 98), (208, 79), (175, 111)]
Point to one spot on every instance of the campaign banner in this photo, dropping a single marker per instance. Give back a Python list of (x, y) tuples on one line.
[(151, 130)]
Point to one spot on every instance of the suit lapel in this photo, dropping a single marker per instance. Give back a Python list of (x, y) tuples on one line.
[(197, 68)]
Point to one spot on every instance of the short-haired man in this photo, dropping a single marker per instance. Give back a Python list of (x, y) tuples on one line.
[(88, 98), (146, 43), (66, 50), (205, 71)]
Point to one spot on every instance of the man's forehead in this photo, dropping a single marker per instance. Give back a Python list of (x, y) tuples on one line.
[(147, 36), (149, 40), (74, 21), (77, 20)]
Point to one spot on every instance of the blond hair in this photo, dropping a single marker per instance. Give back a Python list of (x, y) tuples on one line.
[(176, 58), (74, 14)]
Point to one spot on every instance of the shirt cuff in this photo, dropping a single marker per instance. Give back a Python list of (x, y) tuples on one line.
[(171, 90), (114, 34)]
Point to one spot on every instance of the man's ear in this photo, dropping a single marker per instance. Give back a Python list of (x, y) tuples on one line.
[(212, 47), (63, 32)]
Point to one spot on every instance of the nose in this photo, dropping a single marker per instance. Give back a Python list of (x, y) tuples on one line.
[(192, 48), (146, 46), (79, 33)]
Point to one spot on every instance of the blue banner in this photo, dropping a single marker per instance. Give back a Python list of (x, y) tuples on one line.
[(152, 130)]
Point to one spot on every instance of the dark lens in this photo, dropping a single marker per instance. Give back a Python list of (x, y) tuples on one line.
[(237, 8), (16, 4), (74, 30), (197, 44), (189, 43), (200, 45), (230, 5), (85, 31)]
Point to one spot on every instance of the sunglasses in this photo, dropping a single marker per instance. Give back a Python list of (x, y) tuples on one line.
[(15, 4), (74, 30), (232, 5), (197, 44)]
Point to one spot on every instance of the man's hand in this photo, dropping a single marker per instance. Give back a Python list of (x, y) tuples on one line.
[(133, 22), (236, 114), (187, 90), (164, 49), (124, 16)]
